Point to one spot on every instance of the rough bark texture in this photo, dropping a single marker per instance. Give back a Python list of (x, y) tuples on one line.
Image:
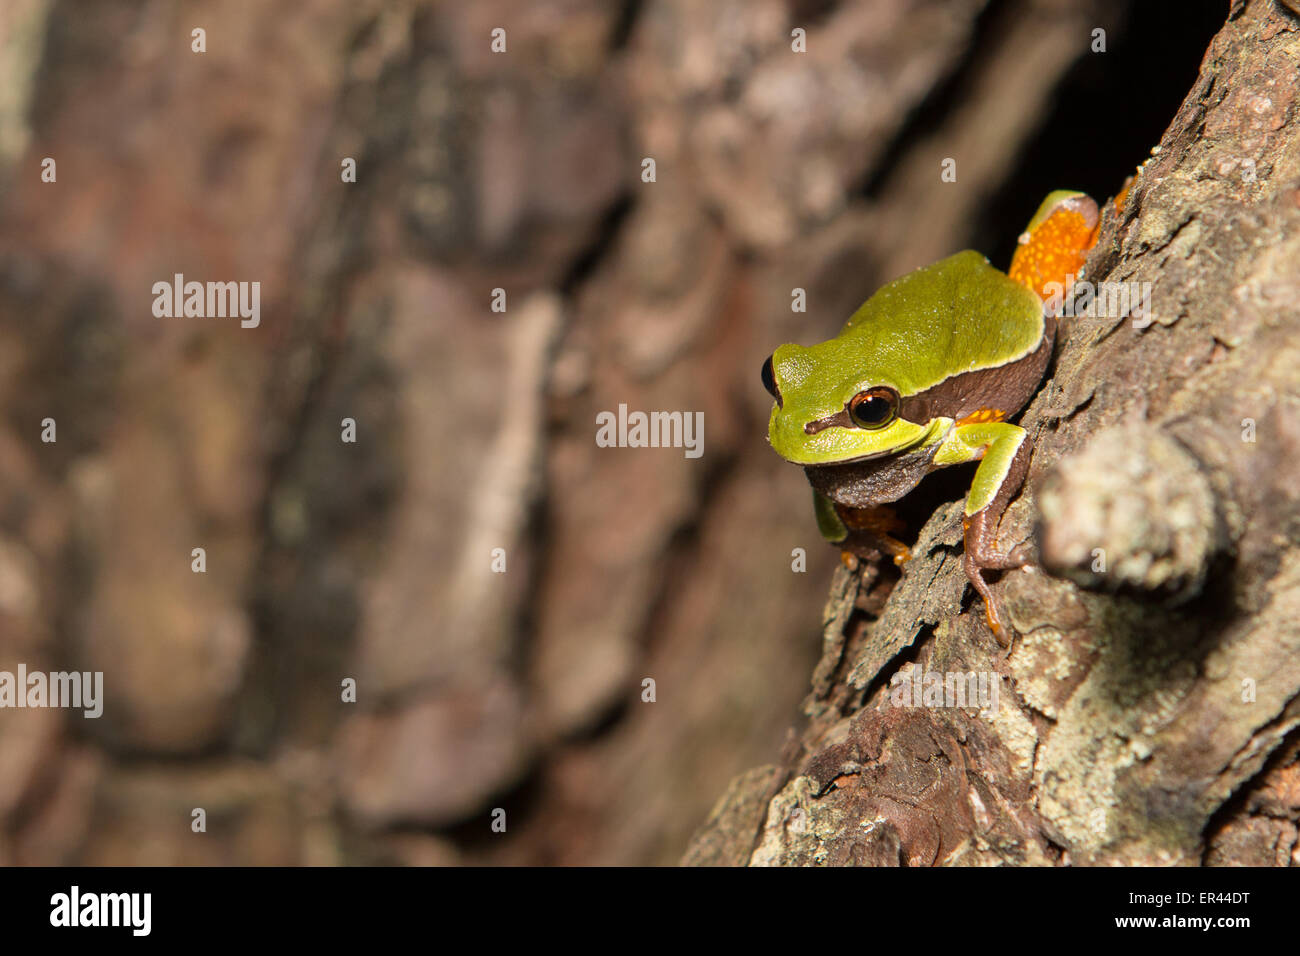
[(1150, 711)]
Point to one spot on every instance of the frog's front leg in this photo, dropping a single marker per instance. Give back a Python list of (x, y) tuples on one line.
[(1003, 453)]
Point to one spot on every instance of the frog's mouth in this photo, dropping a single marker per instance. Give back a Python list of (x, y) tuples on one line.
[(899, 452), (925, 445), (835, 440)]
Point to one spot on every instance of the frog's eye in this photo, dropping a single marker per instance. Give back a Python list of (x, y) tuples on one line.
[(769, 380), (874, 407)]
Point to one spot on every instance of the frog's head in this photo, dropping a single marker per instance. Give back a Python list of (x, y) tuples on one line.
[(831, 408), (871, 390)]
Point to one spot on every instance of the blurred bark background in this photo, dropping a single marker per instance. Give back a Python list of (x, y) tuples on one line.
[(521, 170)]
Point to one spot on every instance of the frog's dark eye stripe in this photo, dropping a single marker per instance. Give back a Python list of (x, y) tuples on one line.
[(839, 420), (873, 407), (769, 381)]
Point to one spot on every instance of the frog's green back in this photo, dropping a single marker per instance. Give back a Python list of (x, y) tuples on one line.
[(958, 315)]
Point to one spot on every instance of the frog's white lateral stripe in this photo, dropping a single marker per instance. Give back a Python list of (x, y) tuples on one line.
[(976, 367), (958, 388)]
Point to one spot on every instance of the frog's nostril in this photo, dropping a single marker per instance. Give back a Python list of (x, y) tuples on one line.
[(769, 380)]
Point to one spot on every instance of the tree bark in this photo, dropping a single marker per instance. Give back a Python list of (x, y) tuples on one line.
[(1149, 709)]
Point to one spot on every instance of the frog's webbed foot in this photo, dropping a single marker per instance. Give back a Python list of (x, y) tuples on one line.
[(981, 555), (979, 541)]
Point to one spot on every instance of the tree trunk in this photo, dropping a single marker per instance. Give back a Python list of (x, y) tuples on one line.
[(1149, 709)]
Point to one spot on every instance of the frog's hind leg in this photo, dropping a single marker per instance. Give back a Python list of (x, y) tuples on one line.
[(1056, 243)]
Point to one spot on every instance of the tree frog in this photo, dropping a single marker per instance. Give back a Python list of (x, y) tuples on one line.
[(923, 376)]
